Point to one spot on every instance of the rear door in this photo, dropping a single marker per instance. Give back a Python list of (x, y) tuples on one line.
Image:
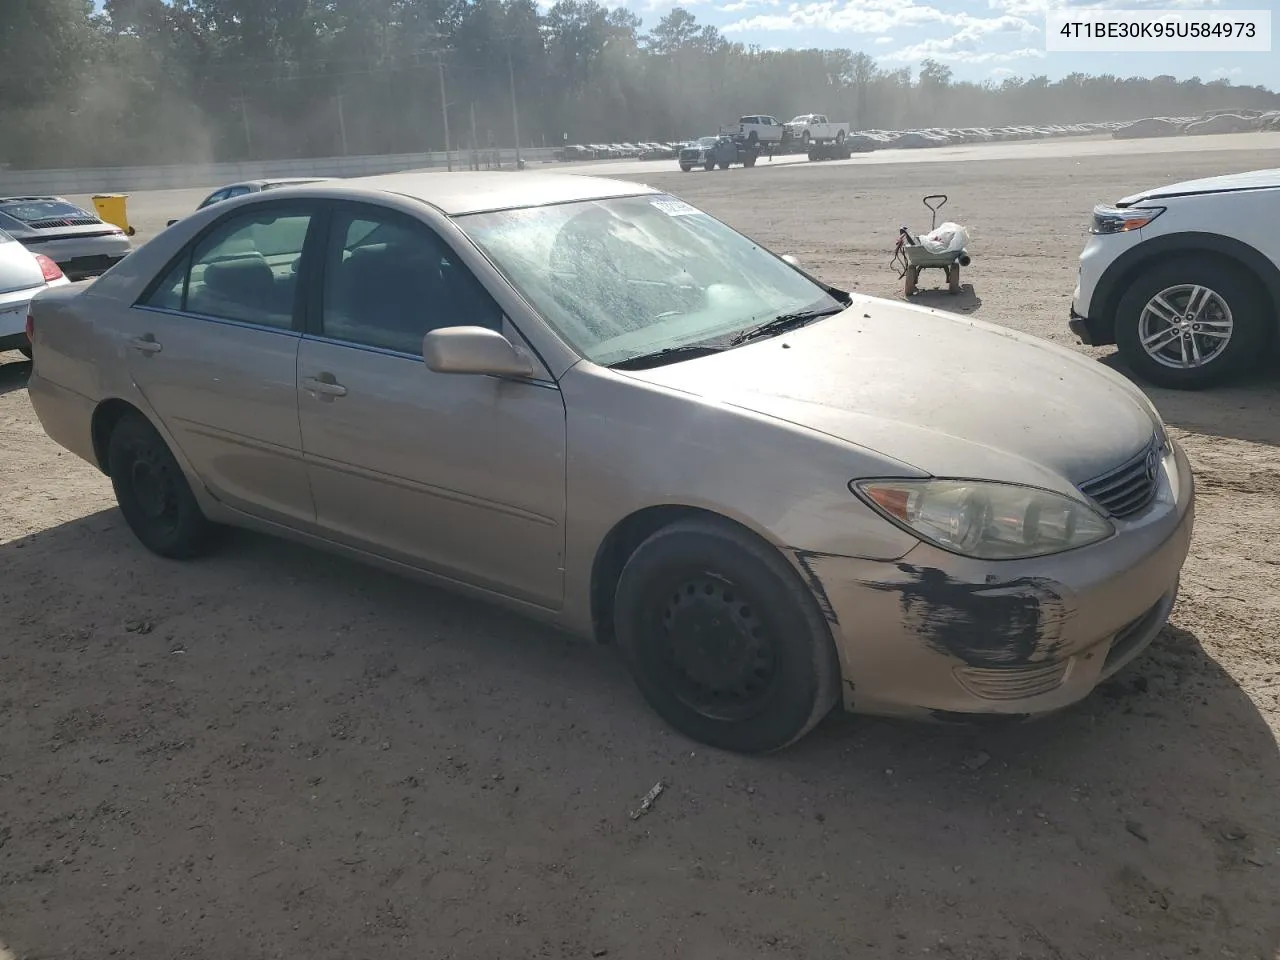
[(213, 346), (460, 475)]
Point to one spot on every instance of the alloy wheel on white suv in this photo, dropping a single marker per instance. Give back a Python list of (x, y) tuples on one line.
[(1190, 323)]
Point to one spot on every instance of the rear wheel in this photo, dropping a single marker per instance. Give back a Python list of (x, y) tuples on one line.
[(709, 165), (686, 167), (1192, 323), (724, 639), (153, 493)]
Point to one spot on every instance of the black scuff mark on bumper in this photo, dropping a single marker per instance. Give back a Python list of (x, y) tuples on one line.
[(807, 561), (994, 624)]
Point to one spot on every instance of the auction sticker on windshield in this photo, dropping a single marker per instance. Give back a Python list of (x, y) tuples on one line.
[(674, 208)]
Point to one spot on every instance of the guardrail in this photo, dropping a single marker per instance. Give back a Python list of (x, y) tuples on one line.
[(177, 176)]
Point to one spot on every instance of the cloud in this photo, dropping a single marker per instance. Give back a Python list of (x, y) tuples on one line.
[(883, 40), (1038, 8), (1223, 72), (940, 50), (1002, 72), (873, 17)]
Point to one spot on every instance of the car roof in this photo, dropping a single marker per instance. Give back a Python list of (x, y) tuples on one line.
[(466, 192)]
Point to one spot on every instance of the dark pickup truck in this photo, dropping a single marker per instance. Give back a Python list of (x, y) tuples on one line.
[(720, 151)]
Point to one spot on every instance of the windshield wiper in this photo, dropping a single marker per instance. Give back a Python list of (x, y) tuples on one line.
[(665, 355), (783, 322)]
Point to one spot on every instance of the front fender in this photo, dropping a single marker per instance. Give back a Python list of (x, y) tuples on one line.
[(1124, 268)]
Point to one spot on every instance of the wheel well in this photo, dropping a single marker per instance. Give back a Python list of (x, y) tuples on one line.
[(1132, 271), (105, 418), (618, 546)]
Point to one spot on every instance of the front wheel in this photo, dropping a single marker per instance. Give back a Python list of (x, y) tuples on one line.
[(1192, 323), (153, 493), (709, 165), (686, 167), (724, 639)]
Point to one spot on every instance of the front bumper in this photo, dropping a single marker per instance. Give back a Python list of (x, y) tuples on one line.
[(1080, 327), (934, 634)]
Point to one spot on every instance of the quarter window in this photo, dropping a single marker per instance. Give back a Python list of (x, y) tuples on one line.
[(390, 280)]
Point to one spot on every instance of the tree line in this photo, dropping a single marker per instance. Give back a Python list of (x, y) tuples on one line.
[(183, 81)]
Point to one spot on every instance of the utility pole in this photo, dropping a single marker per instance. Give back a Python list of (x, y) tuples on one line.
[(342, 125), (444, 112), (515, 113), (244, 119), (475, 141)]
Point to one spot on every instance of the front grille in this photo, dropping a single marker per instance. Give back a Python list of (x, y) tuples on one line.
[(1013, 683), (1128, 488)]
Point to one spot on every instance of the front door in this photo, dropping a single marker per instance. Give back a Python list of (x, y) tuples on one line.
[(460, 475), (213, 347)]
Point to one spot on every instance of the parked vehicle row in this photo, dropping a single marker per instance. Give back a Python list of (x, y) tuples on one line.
[(1223, 121), (23, 274), (81, 243), (395, 368)]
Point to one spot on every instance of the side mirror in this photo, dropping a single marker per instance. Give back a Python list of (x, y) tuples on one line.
[(474, 350), (171, 223)]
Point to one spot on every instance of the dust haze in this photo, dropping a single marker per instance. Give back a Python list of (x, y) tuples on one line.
[(189, 82)]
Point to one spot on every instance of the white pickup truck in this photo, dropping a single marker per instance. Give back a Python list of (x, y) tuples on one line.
[(759, 127), (815, 128)]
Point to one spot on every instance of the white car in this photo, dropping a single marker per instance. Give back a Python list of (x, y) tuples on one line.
[(23, 274), (1184, 279)]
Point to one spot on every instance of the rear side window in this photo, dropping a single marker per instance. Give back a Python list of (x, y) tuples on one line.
[(245, 269)]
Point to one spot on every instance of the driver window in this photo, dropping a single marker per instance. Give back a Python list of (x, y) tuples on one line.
[(389, 280)]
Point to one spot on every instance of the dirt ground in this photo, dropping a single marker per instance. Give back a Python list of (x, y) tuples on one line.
[(273, 753)]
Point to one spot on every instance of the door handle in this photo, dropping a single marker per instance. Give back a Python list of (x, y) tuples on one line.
[(324, 386), (146, 344)]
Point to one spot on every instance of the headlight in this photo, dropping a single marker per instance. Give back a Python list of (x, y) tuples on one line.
[(986, 520), (1122, 219)]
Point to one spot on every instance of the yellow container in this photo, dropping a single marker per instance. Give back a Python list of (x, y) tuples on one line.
[(114, 208)]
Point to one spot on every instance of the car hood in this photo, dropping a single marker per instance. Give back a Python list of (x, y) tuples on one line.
[(1250, 180), (947, 395)]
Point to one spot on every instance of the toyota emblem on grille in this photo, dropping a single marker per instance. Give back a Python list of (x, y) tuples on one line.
[(1153, 462)]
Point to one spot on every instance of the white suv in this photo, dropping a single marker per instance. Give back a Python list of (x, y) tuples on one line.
[(1185, 279)]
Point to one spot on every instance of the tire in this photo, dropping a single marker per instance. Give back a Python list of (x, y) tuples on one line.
[(1245, 321), (153, 493), (813, 155), (724, 166), (709, 165), (749, 161), (703, 574), (686, 167)]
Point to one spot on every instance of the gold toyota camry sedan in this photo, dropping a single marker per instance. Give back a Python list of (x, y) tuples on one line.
[(592, 402)]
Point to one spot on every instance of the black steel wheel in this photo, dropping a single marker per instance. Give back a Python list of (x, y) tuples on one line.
[(152, 492), (724, 639)]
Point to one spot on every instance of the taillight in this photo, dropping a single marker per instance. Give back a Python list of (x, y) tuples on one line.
[(50, 269)]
